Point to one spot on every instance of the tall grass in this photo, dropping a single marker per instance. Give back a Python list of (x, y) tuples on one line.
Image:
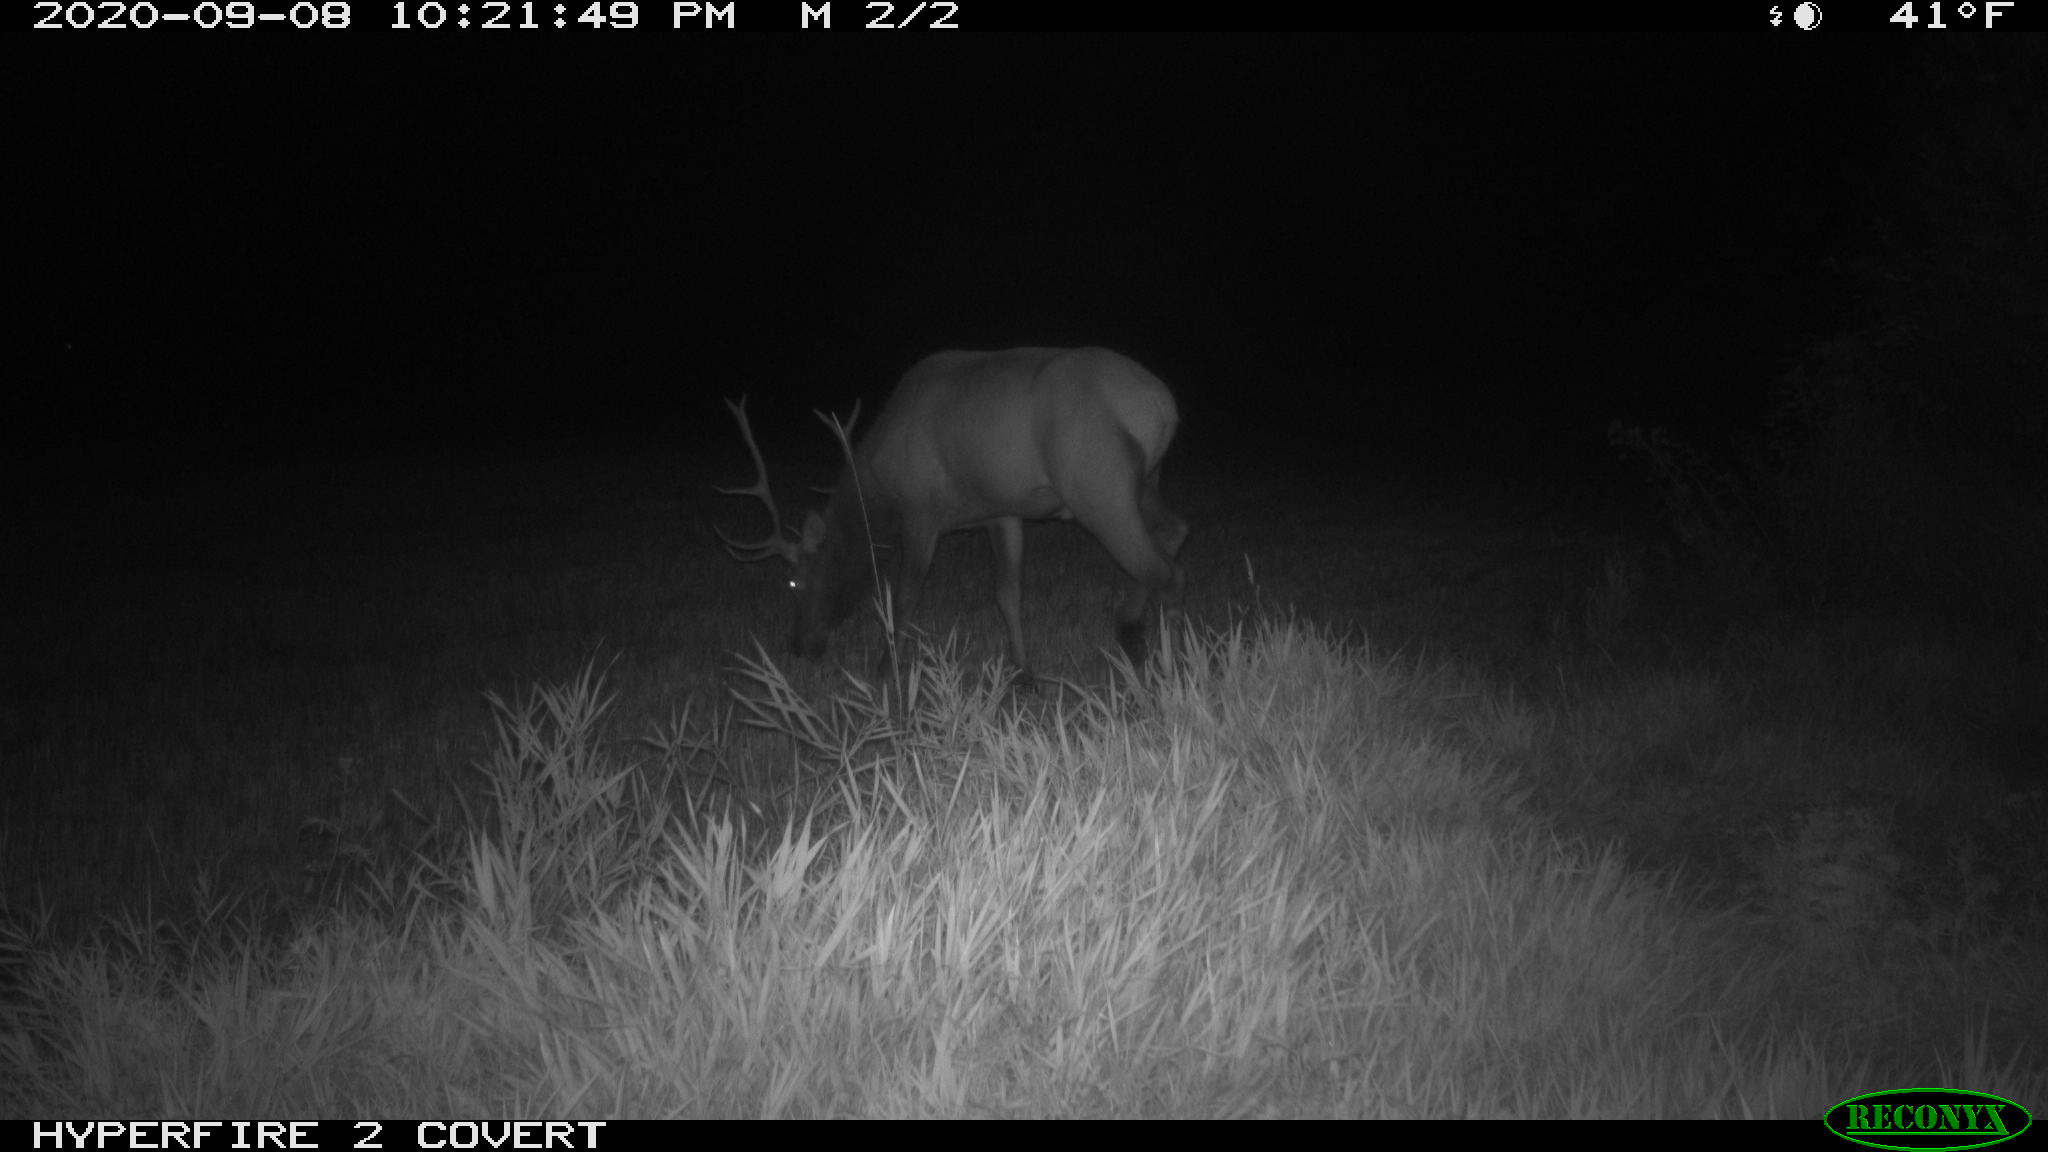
[(1259, 878)]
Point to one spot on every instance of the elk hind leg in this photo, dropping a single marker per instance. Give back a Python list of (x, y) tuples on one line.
[(1144, 539), (1007, 537), (1166, 532)]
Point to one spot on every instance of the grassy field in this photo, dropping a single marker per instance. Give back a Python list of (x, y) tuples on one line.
[(1452, 801)]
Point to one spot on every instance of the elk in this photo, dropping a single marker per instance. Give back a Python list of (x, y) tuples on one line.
[(991, 439)]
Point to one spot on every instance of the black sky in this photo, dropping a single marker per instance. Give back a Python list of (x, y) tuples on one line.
[(1428, 238)]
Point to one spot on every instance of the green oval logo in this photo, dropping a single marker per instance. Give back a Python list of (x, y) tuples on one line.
[(1927, 1119)]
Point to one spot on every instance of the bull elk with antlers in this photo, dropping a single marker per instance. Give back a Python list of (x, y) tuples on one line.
[(987, 439)]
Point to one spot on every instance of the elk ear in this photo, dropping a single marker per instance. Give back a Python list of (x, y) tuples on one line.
[(814, 531)]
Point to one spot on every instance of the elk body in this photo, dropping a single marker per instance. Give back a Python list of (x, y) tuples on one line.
[(988, 439)]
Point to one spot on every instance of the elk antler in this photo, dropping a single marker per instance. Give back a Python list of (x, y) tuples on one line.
[(775, 543), (831, 420)]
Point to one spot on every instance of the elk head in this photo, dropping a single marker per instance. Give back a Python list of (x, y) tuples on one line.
[(818, 606)]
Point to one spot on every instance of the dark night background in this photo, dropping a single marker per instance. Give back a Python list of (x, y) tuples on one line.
[(1404, 246)]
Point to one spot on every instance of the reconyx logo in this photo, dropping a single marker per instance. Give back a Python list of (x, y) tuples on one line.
[(1927, 1119)]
